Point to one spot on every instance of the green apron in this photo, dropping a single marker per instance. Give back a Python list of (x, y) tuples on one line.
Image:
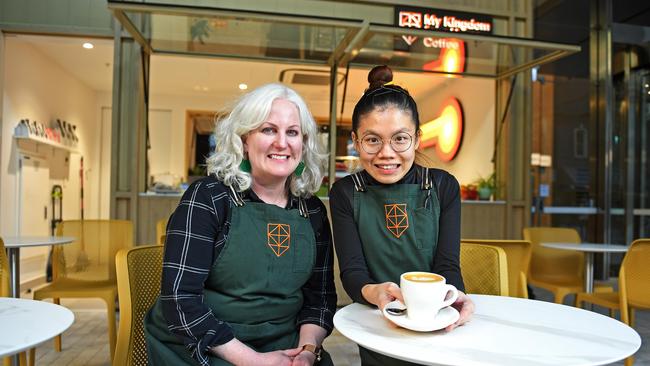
[(398, 227), (255, 284)]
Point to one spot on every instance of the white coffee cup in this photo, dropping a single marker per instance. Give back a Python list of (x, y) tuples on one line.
[(425, 293)]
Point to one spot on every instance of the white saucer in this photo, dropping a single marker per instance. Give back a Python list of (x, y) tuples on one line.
[(445, 317)]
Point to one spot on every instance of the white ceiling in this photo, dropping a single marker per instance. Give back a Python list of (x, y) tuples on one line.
[(212, 77), (92, 67)]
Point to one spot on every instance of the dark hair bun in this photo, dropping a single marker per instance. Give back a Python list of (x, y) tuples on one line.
[(378, 76)]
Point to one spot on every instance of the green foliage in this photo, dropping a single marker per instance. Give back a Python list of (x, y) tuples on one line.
[(200, 169), (489, 182)]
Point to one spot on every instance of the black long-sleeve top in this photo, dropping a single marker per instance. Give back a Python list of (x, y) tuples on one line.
[(354, 270), (196, 233)]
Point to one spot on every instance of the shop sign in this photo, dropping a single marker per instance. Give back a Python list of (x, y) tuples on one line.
[(442, 20), (451, 51)]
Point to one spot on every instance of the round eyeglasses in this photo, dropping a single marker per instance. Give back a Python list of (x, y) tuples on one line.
[(399, 142)]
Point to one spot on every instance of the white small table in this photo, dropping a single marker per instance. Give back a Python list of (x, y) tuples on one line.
[(503, 331), (589, 249), (28, 323), (13, 245)]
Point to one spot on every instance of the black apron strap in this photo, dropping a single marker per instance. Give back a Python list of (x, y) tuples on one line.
[(302, 207), (425, 184), (235, 197), (359, 182)]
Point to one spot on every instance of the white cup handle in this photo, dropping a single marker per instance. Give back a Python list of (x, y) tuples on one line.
[(452, 299)]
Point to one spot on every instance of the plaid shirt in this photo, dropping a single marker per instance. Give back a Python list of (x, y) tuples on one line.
[(196, 233)]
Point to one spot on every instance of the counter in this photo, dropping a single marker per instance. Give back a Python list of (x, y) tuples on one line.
[(153, 207)]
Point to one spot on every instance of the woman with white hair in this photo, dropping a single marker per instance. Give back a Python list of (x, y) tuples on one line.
[(247, 274)]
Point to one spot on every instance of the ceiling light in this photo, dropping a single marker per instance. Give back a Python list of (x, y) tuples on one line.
[(243, 86), (88, 46)]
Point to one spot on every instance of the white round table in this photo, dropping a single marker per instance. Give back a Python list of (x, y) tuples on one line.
[(589, 249), (28, 323), (13, 245), (503, 331)]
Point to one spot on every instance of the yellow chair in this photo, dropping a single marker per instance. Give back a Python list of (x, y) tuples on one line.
[(161, 230), (86, 267), (4, 292), (484, 269), (559, 271), (139, 272), (518, 253), (633, 290)]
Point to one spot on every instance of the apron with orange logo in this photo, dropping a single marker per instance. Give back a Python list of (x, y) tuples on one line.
[(398, 228), (256, 282)]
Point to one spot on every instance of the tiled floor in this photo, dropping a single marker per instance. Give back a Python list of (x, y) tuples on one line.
[(86, 342)]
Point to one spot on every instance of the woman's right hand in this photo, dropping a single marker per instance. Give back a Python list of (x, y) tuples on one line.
[(282, 357), (382, 293)]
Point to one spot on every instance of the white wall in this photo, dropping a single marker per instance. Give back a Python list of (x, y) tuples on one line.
[(39, 89), (477, 99)]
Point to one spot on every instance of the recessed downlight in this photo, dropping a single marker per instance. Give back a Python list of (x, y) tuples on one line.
[(88, 46), (243, 86)]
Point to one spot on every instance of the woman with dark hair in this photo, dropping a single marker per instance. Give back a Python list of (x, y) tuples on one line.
[(372, 255), (247, 274)]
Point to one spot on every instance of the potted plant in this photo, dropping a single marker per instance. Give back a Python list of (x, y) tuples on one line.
[(468, 192), (486, 186)]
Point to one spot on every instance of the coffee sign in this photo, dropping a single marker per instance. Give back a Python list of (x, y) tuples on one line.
[(442, 20)]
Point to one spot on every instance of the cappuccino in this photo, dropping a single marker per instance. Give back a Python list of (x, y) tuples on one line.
[(423, 277)]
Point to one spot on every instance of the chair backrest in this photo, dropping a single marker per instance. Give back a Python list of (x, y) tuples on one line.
[(554, 262), (634, 277), (139, 272), (161, 230), (91, 256), (4, 271), (518, 253), (484, 269)]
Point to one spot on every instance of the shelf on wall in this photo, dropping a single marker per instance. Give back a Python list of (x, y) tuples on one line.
[(34, 143)]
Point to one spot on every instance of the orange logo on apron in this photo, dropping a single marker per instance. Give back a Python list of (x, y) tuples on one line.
[(279, 237), (397, 221)]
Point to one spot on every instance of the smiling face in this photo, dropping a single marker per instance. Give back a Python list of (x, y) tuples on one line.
[(386, 166), (275, 148)]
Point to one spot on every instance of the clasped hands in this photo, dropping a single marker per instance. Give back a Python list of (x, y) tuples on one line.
[(238, 353)]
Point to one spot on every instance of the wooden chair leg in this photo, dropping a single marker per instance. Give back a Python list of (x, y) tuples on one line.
[(57, 339), (559, 297), (579, 302), (632, 316), (22, 359), (32, 356), (112, 331), (629, 361)]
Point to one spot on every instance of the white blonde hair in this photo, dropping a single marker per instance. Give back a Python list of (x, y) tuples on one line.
[(248, 113)]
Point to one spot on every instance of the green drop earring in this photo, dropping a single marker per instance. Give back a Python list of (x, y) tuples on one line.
[(245, 166), (299, 169)]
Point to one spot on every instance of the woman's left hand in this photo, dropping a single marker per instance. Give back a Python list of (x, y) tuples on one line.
[(304, 358), (465, 306)]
